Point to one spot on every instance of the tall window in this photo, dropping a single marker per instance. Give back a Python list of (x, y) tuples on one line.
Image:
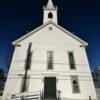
[(50, 59), (50, 15), (75, 84), (71, 60)]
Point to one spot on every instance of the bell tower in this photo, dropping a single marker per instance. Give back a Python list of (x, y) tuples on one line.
[(50, 13)]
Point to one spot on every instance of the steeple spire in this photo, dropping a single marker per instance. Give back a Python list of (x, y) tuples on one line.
[(50, 4)]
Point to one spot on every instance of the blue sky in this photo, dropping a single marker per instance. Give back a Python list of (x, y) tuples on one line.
[(20, 16)]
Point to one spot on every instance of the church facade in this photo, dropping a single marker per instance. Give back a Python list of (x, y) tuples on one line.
[(49, 63)]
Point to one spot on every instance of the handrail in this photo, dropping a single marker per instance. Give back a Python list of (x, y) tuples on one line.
[(58, 94), (27, 93), (42, 95), (26, 96)]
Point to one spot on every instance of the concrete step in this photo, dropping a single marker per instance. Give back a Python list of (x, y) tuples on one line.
[(50, 99)]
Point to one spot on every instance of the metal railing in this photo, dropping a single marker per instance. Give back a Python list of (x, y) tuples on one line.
[(26, 96)]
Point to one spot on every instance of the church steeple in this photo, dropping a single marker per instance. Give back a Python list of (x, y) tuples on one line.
[(50, 12)]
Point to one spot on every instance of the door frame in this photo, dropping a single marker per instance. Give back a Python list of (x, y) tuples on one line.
[(55, 84)]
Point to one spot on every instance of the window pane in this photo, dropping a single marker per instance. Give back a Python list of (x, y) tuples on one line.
[(50, 59), (75, 84), (71, 60)]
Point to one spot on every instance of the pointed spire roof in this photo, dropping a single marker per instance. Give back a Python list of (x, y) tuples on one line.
[(50, 4)]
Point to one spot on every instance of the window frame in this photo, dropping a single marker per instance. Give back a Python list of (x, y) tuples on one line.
[(50, 15), (75, 77), (73, 60), (52, 60)]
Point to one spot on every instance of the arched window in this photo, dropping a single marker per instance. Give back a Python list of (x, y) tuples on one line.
[(50, 15)]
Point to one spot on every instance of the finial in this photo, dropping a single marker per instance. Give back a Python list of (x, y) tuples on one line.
[(50, 4)]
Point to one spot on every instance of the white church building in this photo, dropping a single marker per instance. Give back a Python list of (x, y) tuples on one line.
[(49, 63)]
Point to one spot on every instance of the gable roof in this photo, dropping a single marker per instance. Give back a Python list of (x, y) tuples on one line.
[(44, 25)]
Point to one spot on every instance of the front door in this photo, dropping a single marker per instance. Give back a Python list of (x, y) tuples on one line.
[(50, 87)]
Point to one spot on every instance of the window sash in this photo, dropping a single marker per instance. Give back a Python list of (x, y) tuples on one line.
[(50, 59), (75, 84), (71, 60)]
